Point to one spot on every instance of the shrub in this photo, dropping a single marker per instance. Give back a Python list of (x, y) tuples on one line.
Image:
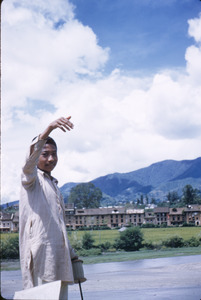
[(130, 239), (192, 242), (188, 224), (105, 246), (10, 247), (89, 252), (148, 225), (174, 242), (87, 241), (152, 245), (76, 244), (163, 225)]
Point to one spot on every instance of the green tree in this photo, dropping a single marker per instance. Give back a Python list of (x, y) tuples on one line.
[(172, 197), (9, 247), (153, 201), (87, 241), (189, 195), (85, 195), (130, 239)]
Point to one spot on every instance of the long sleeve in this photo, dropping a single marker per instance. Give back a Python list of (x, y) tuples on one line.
[(29, 171)]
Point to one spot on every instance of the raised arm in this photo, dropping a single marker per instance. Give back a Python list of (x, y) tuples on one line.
[(62, 123), (30, 168)]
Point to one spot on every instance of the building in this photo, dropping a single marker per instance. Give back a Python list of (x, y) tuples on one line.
[(176, 216), (111, 217), (9, 222), (193, 214), (15, 222), (134, 217), (115, 217), (5, 222), (161, 215), (149, 217)]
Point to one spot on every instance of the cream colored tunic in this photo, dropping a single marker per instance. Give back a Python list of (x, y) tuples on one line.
[(44, 246)]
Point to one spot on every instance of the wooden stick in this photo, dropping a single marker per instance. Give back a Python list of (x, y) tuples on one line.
[(81, 291)]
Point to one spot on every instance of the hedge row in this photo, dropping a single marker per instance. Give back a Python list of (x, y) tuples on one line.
[(9, 248)]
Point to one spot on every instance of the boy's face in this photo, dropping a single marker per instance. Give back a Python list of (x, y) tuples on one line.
[(48, 158)]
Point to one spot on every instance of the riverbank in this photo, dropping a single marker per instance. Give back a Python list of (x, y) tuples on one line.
[(11, 265)]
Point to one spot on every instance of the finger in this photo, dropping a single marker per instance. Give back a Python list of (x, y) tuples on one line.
[(70, 124), (64, 126), (66, 121), (67, 125)]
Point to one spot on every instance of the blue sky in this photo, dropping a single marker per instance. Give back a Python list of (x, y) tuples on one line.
[(142, 35), (128, 72)]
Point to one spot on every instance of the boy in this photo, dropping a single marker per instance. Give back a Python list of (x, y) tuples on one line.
[(45, 252)]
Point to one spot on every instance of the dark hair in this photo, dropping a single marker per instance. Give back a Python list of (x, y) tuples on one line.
[(50, 140)]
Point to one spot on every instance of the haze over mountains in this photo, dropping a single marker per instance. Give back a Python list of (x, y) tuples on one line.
[(154, 181)]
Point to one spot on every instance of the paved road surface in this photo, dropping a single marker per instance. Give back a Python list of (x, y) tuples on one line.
[(175, 278)]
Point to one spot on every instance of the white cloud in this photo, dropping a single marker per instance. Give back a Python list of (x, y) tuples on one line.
[(122, 123), (36, 56), (195, 29)]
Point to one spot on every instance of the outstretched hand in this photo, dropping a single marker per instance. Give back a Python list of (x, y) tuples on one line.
[(62, 123)]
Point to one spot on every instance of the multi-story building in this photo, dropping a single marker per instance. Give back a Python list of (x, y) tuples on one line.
[(103, 216), (114, 217), (15, 222), (176, 216), (134, 217), (121, 216), (9, 222), (193, 214), (5, 222), (161, 215), (149, 217)]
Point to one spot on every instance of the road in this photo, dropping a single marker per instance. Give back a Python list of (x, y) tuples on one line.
[(175, 278)]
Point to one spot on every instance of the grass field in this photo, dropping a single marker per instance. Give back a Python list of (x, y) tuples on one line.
[(150, 234)]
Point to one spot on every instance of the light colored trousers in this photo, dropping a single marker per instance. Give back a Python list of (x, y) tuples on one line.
[(64, 287)]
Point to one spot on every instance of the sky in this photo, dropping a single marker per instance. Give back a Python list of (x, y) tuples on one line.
[(128, 72)]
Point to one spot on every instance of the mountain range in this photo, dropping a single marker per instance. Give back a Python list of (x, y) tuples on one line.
[(154, 181)]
